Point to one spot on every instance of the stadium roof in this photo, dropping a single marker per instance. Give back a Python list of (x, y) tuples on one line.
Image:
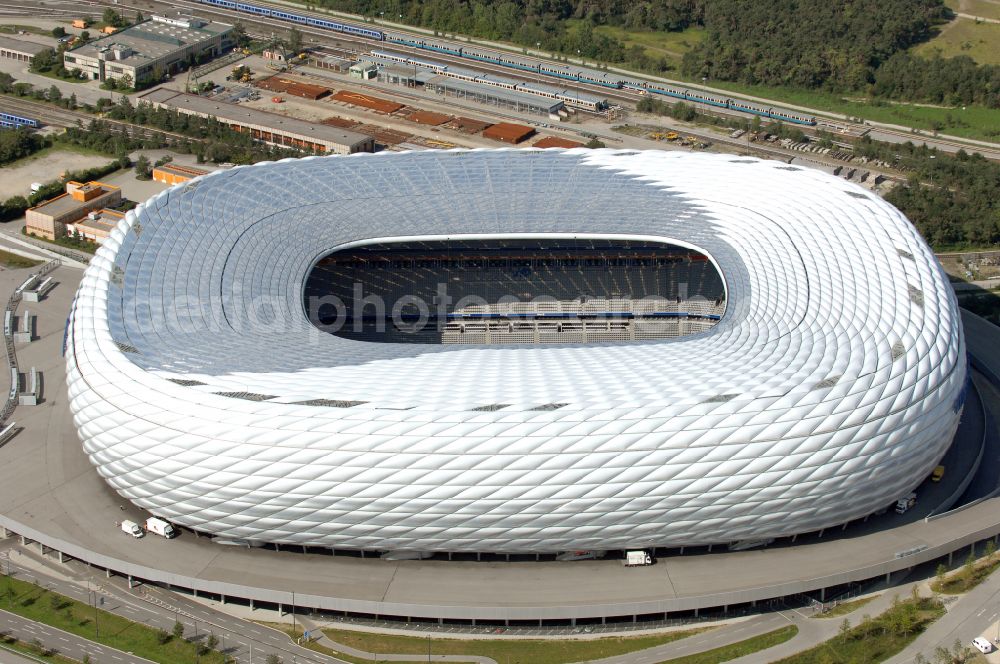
[(831, 387)]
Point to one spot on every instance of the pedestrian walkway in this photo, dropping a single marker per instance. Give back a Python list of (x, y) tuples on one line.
[(713, 638), (327, 642)]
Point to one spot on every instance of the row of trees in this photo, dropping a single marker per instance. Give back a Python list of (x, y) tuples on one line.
[(9, 86), (212, 140), (18, 143)]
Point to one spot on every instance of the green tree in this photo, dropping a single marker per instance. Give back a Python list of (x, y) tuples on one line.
[(968, 570), (272, 659), (239, 34), (178, 631), (44, 61), (162, 636), (54, 94), (212, 642), (845, 629), (85, 36), (294, 42), (595, 143), (58, 32), (991, 550), (941, 574), (138, 17), (113, 18)]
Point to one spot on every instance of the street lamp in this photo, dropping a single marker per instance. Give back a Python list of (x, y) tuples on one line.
[(92, 596)]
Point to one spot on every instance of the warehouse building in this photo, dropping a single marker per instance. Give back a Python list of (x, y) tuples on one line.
[(264, 126), (143, 51), (96, 226), (22, 51), (50, 219), (494, 96), (175, 173)]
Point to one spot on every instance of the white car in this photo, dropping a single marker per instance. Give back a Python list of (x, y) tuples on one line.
[(982, 645)]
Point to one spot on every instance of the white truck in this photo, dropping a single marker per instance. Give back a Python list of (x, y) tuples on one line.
[(903, 504), (160, 527), (637, 558), (132, 528)]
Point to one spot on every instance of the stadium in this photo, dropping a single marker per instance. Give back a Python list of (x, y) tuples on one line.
[(514, 351)]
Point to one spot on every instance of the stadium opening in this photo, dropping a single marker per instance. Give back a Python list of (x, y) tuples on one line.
[(514, 290)]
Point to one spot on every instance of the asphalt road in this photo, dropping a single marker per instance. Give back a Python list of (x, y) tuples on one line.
[(150, 606), (62, 642)]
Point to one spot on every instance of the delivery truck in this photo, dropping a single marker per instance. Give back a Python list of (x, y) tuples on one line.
[(637, 558), (132, 528), (160, 527)]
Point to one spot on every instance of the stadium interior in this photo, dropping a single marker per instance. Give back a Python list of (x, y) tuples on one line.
[(526, 291)]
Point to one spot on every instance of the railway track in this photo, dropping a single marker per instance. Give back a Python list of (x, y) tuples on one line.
[(52, 115)]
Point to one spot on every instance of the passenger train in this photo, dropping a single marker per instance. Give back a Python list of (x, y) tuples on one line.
[(568, 97), (583, 75)]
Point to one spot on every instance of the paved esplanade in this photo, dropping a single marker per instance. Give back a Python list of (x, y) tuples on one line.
[(51, 493)]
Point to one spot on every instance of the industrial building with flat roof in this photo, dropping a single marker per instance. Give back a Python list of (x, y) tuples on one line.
[(499, 97), (96, 226), (50, 219), (175, 173), (264, 126), (22, 51), (142, 51)]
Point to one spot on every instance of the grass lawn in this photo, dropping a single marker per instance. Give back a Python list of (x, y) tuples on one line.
[(983, 8), (876, 639), (964, 36), (672, 45), (844, 608), (55, 148), (739, 649), (14, 29), (515, 651), (11, 644), (14, 262), (44, 606)]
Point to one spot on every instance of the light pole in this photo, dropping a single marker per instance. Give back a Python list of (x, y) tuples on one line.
[(10, 591), (428, 647), (92, 596)]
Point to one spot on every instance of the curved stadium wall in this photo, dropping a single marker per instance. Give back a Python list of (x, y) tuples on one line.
[(203, 393)]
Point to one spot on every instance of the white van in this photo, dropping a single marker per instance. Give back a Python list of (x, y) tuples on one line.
[(982, 645), (132, 528)]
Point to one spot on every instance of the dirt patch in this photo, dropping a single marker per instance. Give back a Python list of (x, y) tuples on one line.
[(17, 177), (343, 123)]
